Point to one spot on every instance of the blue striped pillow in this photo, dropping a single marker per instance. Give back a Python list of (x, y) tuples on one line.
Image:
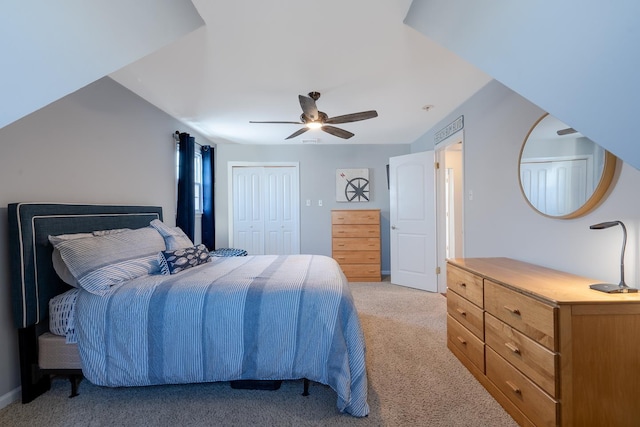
[(174, 237), (100, 262)]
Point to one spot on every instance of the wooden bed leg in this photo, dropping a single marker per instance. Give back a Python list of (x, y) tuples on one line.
[(306, 387), (75, 382)]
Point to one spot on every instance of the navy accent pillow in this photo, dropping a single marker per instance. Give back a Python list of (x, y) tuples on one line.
[(172, 262)]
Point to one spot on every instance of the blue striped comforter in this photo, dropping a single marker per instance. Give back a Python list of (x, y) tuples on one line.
[(256, 317)]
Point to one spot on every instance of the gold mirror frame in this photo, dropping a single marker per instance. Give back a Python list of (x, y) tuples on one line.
[(596, 197)]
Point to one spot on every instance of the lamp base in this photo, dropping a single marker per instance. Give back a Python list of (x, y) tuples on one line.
[(610, 288)]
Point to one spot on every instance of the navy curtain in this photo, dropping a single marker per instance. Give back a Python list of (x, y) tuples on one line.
[(208, 218), (186, 211)]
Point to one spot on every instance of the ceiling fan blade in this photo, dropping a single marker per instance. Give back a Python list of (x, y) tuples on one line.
[(354, 117), (293, 123), (566, 131), (341, 133), (297, 133), (309, 107)]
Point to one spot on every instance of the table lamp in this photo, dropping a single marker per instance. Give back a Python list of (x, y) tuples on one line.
[(611, 288)]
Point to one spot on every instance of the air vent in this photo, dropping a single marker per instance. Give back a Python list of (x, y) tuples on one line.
[(310, 141)]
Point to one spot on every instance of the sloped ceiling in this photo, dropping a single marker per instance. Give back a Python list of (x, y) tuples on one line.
[(577, 60), (52, 48), (254, 58)]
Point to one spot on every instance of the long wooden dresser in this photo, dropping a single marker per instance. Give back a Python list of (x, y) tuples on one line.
[(550, 350), (355, 242)]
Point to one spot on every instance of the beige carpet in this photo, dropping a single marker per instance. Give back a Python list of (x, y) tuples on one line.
[(413, 381)]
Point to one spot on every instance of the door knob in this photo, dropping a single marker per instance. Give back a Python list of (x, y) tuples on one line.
[(393, 227)]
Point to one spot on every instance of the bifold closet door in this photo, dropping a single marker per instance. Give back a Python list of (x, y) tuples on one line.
[(265, 210)]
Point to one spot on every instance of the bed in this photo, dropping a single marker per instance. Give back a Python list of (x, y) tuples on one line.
[(237, 319)]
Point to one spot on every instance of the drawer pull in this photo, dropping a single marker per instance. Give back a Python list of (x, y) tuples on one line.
[(514, 387), (463, 285), (513, 310), (340, 244), (511, 346), (462, 340), (461, 311)]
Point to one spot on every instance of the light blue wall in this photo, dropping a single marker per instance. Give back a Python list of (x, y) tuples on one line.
[(55, 48), (575, 59), (101, 144), (499, 222)]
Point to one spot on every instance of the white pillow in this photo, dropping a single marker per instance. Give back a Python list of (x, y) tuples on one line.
[(174, 237), (99, 262), (58, 264)]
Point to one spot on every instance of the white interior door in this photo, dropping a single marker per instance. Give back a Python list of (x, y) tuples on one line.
[(264, 201), (280, 211), (412, 221), (248, 201)]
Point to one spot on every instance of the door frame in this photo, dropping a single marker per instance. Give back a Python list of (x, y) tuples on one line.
[(295, 194), (441, 226)]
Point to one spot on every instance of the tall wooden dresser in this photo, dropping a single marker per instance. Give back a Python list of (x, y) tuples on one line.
[(550, 350), (355, 242)]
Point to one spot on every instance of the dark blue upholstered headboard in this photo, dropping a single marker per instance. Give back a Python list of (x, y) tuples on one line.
[(33, 279)]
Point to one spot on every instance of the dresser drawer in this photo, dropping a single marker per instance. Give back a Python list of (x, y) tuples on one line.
[(354, 230), (539, 407), (466, 284), (529, 316), (532, 359), (462, 339), (366, 272), (468, 314), (355, 217), (357, 257), (363, 244)]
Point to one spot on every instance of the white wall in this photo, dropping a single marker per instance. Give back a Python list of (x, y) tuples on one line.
[(499, 222), (101, 144), (318, 164)]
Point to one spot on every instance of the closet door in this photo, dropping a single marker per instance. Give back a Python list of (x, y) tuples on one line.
[(280, 211), (266, 209), (248, 217)]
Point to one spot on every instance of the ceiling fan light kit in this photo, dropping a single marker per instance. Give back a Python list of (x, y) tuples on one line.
[(312, 118)]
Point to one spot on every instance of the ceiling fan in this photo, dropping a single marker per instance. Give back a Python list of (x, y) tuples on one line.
[(567, 131), (312, 118)]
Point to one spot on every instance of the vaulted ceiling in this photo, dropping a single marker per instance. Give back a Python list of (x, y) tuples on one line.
[(216, 65), (250, 61), (253, 58)]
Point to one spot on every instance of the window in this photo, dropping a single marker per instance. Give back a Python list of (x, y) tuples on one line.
[(197, 179)]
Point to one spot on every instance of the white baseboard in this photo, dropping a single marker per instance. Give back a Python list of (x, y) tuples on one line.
[(9, 398)]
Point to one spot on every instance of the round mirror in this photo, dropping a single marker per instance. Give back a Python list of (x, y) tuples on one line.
[(563, 174)]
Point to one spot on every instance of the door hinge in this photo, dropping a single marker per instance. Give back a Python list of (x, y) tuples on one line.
[(437, 270), (436, 165)]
